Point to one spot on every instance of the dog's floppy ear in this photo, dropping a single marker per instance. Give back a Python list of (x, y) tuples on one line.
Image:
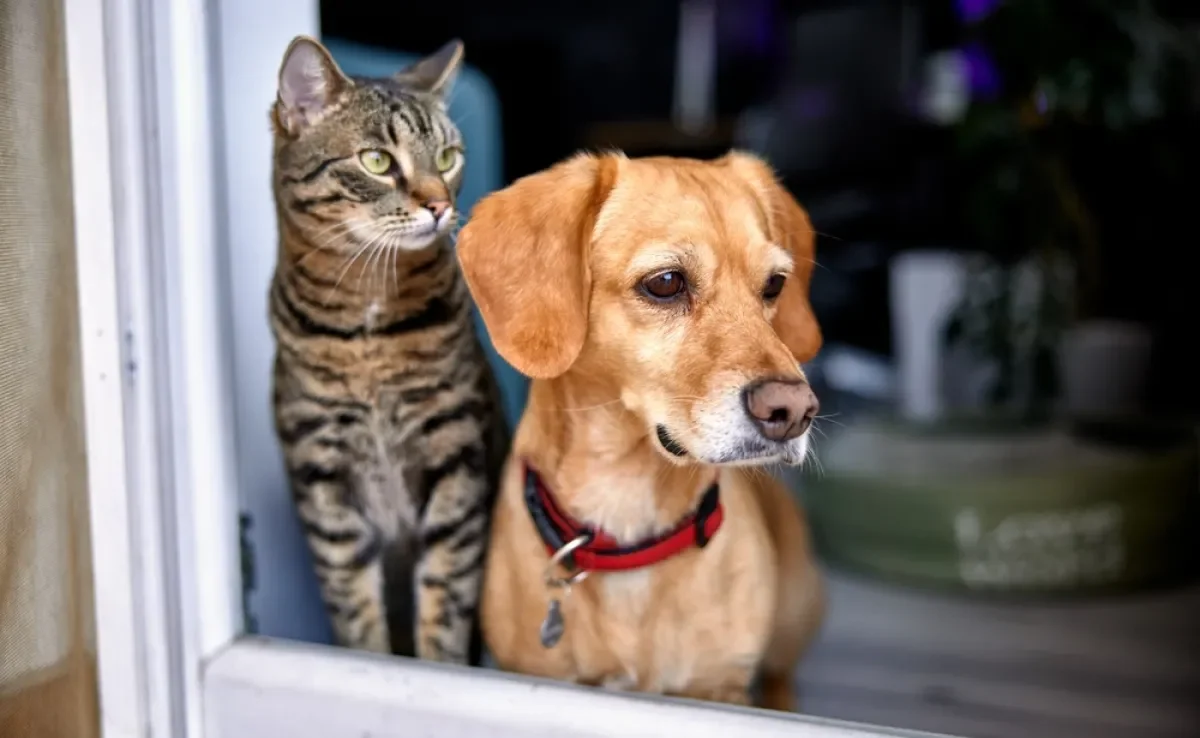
[(524, 253), (794, 322)]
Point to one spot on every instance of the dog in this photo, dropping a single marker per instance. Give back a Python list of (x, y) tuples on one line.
[(660, 307)]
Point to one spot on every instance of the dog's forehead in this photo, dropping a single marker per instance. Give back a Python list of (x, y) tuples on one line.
[(663, 203)]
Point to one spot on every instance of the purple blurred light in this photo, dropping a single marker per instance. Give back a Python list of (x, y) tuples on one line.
[(982, 76), (973, 11), (1042, 102), (764, 26), (746, 25), (811, 103)]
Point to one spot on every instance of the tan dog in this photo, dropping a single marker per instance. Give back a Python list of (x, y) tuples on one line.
[(661, 307)]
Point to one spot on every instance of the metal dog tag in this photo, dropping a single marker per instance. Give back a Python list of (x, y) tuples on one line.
[(553, 626)]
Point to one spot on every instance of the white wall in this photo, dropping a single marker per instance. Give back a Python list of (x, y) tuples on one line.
[(252, 38)]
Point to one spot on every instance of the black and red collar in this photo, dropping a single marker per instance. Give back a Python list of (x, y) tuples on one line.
[(602, 552)]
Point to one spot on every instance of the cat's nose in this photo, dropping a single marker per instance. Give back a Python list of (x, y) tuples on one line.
[(437, 207)]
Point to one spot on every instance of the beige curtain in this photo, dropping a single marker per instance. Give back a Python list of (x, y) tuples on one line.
[(47, 678)]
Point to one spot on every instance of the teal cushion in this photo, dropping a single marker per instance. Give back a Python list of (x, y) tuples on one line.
[(475, 108)]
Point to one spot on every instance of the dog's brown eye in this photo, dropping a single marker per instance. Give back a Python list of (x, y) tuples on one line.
[(665, 286), (773, 286)]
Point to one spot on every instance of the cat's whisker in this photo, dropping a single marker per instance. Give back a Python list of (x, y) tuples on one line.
[(379, 270), (350, 227), (369, 265), (385, 266), (387, 263), (346, 268), (351, 223), (340, 230), (382, 268), (395, 263), (373, 264)]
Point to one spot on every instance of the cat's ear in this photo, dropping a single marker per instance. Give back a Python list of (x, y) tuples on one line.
[(310, 83), (435, 73)]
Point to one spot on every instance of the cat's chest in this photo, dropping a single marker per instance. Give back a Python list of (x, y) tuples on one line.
[(382, 490), (372, 317)]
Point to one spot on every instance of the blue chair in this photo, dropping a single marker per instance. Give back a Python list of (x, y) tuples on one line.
[(475, 108)]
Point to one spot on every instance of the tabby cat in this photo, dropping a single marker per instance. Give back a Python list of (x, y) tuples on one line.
[(384, 403)]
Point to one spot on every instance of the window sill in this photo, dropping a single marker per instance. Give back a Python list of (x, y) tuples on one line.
[(262, 687)]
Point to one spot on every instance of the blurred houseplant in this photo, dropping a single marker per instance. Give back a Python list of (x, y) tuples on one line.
[(1071, 143), (1056, 87)]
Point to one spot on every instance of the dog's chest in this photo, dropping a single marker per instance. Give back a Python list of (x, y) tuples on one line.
[(639, 652), (652, 638)]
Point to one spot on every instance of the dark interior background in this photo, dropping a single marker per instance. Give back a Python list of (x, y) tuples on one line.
[(842, 76)]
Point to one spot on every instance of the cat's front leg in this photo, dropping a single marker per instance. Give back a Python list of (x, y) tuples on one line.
[(346, 550), (454, 530)]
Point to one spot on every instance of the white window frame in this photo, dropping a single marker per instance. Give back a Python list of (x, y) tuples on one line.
[(146, 97)]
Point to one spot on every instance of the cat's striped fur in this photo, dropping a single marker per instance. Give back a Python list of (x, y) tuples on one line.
[(384, 403)]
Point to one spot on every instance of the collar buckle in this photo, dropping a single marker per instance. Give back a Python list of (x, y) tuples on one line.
[(565, 558)]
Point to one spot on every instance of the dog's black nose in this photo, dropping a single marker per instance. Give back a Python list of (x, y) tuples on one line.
[(780, 409)]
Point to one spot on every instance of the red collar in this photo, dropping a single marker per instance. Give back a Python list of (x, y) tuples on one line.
[(602, 552)]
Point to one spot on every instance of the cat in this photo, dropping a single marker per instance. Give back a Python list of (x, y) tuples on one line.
[(385, 407)]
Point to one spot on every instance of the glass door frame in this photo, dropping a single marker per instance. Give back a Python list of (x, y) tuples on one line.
[(153, 88)]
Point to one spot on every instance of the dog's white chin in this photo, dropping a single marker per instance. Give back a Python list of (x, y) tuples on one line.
[(741, 451), (791, 453), (723, 435), (726, 437)]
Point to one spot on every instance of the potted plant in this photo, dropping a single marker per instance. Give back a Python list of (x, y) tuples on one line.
[(1054, 85)]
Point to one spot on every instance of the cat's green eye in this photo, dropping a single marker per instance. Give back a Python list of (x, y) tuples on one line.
[(376, 161), (448, 158)]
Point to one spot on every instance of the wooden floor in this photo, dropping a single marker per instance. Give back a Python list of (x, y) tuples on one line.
[(1127, 668)]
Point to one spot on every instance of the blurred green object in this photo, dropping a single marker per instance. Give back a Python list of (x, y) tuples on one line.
[(1013, 511)]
